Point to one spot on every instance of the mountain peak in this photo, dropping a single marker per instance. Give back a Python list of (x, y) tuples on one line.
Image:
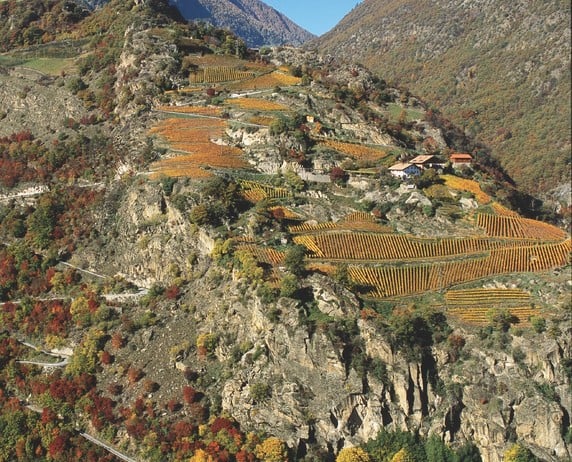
[(252, 20)]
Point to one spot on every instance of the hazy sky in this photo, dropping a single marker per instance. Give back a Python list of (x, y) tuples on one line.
[(317, 16)]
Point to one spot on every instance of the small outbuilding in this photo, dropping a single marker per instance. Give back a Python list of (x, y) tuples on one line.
[(460, 160)]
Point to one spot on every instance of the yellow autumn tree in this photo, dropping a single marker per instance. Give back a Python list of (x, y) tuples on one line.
[(201, 456), (402, 455), (518, 453), (353, 455), (272, 450)]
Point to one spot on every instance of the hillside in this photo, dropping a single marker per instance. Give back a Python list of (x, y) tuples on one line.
[(500, 70), (266, 257)]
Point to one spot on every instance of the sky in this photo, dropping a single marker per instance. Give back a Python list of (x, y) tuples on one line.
[(316, 16)]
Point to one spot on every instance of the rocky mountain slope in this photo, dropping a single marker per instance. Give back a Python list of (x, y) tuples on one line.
[(168, 225), (501, 70)]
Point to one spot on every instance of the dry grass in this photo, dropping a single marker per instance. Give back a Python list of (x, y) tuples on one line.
[(261, 120)]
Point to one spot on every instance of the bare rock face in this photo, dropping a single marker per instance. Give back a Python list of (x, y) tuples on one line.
[(304, 389), (23, 91), (142, 75), (153, 243)]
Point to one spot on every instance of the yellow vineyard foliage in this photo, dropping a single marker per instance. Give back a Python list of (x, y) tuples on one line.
[(357, 151), (256, 104)]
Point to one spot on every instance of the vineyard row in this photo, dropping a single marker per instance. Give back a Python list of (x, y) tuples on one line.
[(390, 281), (517, 227), (378, 246), (471, 297), (218, 74), (480, 315)]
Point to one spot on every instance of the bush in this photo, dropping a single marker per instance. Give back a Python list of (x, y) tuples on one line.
[(260, 392), (76, 84), (538, 324)]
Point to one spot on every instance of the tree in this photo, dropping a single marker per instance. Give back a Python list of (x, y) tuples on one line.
[(427, 178), (402, 455), (294, 260), (468, 453), (338, 175), (438, 451), (288, 285), (200, 215), (501, 319), (294, 181), (388, 444), (272, 450), (353, 455)]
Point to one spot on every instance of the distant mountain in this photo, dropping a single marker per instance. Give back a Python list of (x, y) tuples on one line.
[(499, 68), (252, 20)]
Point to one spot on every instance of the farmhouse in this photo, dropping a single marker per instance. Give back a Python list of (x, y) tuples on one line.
[(427, 161), (461, 160), (404, 170)]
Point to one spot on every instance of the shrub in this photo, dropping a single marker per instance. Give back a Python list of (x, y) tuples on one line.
[(190, 395), (134, 374), (150, 386), (538, 324), (260, 392), (106, 358)]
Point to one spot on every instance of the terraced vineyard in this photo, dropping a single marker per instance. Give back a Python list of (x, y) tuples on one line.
[(218, 74), (385, 265), (462, 184), (503, 211), (517, 227), (357, 151), (363, 246), (193, 137), (210, 111), (256, 104), (358, 221), (262, 254), (392, 280), (254, 191), (474, 306), (483, 296), (266, 81)]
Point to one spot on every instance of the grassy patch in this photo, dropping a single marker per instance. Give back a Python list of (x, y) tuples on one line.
[(395, 111), (50, 66)]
